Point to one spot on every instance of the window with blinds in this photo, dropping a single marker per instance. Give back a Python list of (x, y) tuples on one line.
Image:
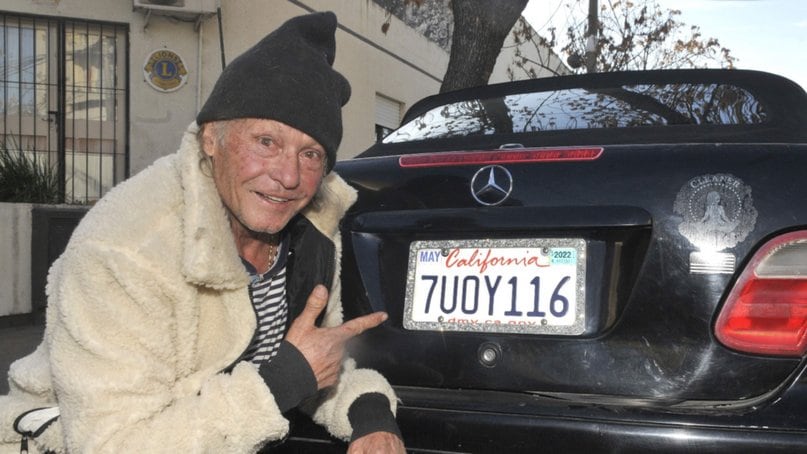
[(387, 116)]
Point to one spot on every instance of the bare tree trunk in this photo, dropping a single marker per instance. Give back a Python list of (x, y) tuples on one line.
[(480, 27)]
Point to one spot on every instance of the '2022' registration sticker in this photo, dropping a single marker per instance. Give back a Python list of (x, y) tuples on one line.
[(532, 286), (563, 256)]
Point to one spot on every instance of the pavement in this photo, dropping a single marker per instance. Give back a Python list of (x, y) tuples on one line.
[(19, 336)]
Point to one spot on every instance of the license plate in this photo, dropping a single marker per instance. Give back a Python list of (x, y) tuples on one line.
[(528, 286)]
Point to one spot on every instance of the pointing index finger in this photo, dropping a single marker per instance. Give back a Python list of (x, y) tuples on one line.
[(358, 325)]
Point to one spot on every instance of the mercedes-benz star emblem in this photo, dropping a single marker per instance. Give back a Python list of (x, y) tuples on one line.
[(491, 185)]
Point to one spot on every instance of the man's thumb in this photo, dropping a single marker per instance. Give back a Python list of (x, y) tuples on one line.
[(317, 301)]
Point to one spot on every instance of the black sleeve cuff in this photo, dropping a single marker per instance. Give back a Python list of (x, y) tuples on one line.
[(289, 377), (371, 413)]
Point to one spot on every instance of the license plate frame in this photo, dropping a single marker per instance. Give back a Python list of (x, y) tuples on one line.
[(517, 258)]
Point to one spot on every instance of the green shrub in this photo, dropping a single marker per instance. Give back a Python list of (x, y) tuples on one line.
[(23, 180)]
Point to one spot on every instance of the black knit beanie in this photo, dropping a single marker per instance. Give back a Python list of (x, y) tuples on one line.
[(287, 77)]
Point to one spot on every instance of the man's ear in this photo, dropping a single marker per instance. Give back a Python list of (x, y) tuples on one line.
[(208, 139)]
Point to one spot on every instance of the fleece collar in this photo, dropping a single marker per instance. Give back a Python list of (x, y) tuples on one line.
[(210, 257)]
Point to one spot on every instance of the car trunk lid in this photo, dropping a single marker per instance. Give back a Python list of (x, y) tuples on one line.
[(649, 296)]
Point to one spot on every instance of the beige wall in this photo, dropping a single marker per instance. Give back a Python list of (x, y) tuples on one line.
[(157, 118)]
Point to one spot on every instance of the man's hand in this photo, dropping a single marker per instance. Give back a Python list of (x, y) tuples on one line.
[(377, 442), (324, 348)]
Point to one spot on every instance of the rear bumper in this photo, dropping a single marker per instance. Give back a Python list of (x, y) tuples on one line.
[(503, 422), (436, 431), (455, 421), (439, 431)]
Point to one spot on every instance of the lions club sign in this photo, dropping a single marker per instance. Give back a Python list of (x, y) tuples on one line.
[(165, 71)]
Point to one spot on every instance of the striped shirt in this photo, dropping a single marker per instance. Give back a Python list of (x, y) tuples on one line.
[(268, 294)]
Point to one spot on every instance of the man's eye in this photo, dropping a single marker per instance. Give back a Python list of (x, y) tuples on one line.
[(314, 155), (266, 141)]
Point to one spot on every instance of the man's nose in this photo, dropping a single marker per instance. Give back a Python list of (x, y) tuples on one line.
[(285, 168)]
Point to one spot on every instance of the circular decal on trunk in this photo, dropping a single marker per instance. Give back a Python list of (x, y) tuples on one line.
[(717, 211)]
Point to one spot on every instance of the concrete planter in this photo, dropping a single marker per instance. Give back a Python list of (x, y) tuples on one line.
[(15, 257), (32, 236)]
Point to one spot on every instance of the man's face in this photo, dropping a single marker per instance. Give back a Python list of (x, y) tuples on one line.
[(265, 171)]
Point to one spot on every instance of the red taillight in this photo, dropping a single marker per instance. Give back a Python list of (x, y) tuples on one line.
[(766, 310), (499, 157)]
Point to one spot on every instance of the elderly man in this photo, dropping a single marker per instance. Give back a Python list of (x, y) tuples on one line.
[(183, 315)]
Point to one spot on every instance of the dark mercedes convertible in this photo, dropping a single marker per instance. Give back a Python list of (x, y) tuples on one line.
[(609, 262)]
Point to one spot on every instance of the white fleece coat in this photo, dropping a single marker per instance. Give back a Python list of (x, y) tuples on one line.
[(146, 307)]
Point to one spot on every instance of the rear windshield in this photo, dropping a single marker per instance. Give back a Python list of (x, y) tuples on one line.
[(629, 106)]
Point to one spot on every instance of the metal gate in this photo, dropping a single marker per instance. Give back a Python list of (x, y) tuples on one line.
[(64, 101)]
